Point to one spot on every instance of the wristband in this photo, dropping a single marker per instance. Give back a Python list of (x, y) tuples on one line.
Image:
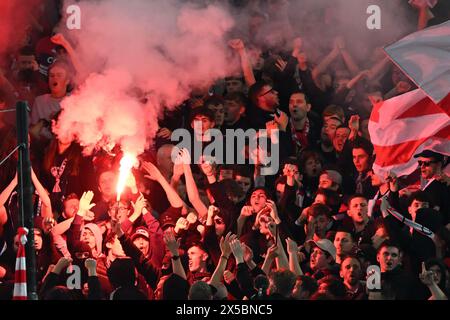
[(175, 257)]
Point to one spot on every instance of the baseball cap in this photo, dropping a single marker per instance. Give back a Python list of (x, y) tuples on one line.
[(141, 232), (430, 154), (325, 245), (168, 220), (334, 175)]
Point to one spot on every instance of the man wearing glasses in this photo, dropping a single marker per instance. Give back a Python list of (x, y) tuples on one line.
[(431, 165), (265, 102)]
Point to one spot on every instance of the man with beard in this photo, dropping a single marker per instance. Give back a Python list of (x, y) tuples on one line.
[(351, 273), (327, 134)]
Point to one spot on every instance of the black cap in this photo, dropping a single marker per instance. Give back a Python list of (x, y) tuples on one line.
[(430, 154)]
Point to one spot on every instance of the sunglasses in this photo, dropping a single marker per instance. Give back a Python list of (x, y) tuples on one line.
[(218, 221), (425, 163), (267, 92)]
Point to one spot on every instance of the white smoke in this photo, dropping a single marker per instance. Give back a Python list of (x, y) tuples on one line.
[(158, 50)]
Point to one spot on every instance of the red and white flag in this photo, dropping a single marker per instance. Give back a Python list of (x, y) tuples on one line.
[(20, 276), (424, 56), (406, 125)]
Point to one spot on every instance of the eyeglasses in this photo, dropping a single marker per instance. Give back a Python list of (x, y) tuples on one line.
[(425, 163), (218, 221), (267, 92)]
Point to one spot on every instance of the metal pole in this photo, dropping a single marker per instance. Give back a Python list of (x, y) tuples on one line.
[(25, 190)]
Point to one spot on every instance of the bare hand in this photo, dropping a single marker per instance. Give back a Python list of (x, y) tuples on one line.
[(116, 227), (353, 123), (282, 120), (152, 171), (247, 211), (183, 157), (62, 264), (426, 276), (225, 243), (48, 224), (419, 4), (290, 170), (281, 64), (207, 167), (140, 204), (212, 211), (89, 216), (164, 133), (236, 44), (236, 248), (391, 178), (90, 264), (85, 202), (273, 211), (292, 247), (171, 242), (228, 276), (272, 252), (182, 224)]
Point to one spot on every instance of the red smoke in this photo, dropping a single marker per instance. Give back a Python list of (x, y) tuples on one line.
[(14, 24)]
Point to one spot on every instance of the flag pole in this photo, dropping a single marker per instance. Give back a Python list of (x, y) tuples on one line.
[(25, 190)]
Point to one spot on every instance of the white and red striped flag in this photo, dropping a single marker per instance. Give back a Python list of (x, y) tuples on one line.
[(406, 125), (20, 275), (424, 58)]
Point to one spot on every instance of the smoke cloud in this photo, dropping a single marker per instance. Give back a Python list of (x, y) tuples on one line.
[(15, 19), (159, 51), (138, 58)]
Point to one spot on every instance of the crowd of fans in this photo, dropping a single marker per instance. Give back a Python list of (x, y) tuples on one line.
[(225, 231)]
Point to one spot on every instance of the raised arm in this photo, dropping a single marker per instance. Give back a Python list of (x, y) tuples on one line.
[(294, 264), (59, 39), (272, 253), (427, 279), (225, 249), (191, 186), (43, 194), (348, 59), (173, 245), (246, 65), (4, 196), (154, 174), (424, 13), (323, 65), (281, 259), (379, 68)]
